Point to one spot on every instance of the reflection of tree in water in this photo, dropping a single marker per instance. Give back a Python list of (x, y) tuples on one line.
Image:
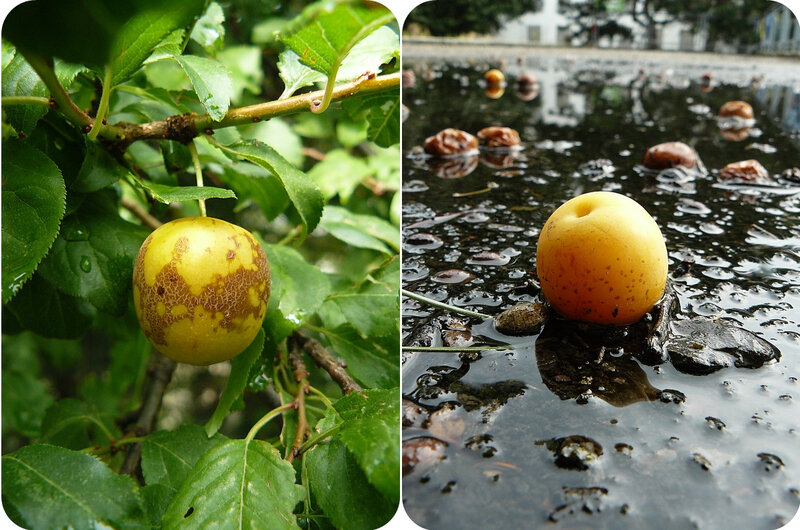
[(489, 397), (576, 365)]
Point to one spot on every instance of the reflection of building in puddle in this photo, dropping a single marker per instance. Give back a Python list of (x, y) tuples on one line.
[(783, 103), (556, 102)]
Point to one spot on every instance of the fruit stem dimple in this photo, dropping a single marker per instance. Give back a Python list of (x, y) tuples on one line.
[(198, 172)]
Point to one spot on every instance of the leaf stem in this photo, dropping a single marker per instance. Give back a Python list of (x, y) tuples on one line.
[(102, 109), (331, 83), (25, 100), (314, 440), (266, 418), (322, 397), (64, 103), (441, 305), (198, 172)]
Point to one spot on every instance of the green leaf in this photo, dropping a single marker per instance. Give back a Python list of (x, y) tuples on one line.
[(237, 381), (298, 290), (339, 173), (384, 123), (295, 74), (324, 43), (265, 32), (238, 484), (211, 82), (169, 456), (373, 362), (156, 499), (19, 79), (169, 194), (43, 309), (366, 57), (51, 487), (73, 424), (369, 54), (374, 308), (342, 491), (99, 169), (382, 113), (266, 191), (33, 203), (169, 47), (94, 254), (359, 230), (279, 135), (244, 64), (209, 29), (26, 396), (144, 31), (302, 191), (371, 430)]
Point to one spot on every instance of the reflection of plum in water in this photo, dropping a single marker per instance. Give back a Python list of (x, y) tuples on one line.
[(453, 168), (574, 365)]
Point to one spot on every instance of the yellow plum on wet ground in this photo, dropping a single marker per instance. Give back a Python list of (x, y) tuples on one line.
[(601, 258), (200, 288)]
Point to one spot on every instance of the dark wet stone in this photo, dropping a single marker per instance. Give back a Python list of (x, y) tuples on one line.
[(749, 170), (671, 396), (574, 452), (451, 142), (702, 461), (741, 109), (715, 423), (428, 334), (421, 454), (623, 448), (498, 137), (526, 318), (583, 500), (770, 462), (483, 444), (457, 339), (702, 346), (413, 414), (670, 154), (452, 276)]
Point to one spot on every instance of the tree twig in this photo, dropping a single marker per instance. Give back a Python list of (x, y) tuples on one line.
[(159, 374), (142, 214), (60, 97), (301, 376), (187, 126), (325, 361)]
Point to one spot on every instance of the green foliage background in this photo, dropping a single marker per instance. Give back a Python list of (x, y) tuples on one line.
[(320, 189)]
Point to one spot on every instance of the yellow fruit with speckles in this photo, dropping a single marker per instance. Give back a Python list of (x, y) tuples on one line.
[(200, 287), (601, 258)]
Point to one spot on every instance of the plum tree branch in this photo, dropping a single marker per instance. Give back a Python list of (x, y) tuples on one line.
[(187, 126), (159, 374), (325, 361), (301, 376)]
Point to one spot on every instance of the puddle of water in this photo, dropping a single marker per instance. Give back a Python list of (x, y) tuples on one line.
[(675, 450)]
